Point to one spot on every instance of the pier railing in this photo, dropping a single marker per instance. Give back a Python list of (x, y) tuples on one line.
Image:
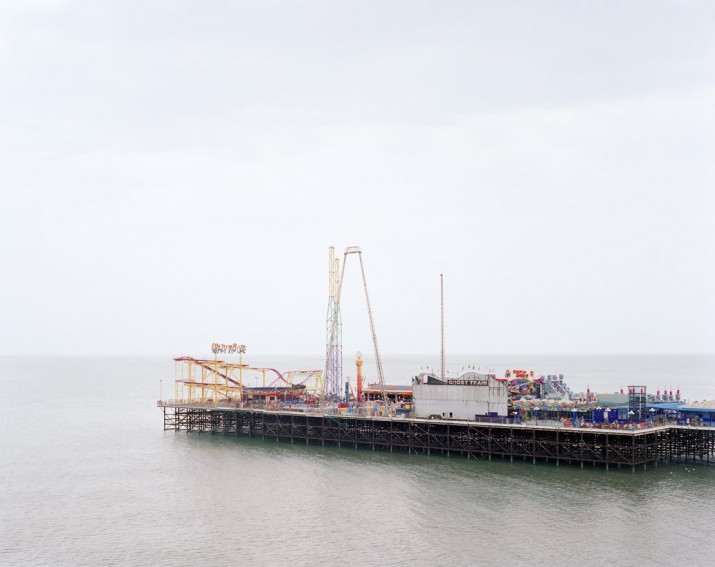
[(365, 411), (378, 411)]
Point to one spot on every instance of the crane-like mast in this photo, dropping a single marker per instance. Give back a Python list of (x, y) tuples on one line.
[(378, 359)]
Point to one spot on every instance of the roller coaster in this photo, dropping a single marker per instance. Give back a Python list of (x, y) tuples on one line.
[(206, 381)]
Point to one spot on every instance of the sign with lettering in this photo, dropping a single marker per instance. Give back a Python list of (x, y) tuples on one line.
[(228, 349), (468, 382)]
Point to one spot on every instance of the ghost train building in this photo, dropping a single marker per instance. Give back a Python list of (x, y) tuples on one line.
[(471, 396)]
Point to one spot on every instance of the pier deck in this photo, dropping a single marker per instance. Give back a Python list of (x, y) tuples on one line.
[(469, 439)]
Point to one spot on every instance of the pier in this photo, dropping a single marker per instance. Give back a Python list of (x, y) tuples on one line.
[(473, 440)]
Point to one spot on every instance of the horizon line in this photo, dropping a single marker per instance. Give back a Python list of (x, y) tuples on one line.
[(370, 355)]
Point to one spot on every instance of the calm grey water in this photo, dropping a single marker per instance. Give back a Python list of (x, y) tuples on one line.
[(90, 478)]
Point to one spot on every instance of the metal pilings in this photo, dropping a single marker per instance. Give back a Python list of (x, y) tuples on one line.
[(469, 439)]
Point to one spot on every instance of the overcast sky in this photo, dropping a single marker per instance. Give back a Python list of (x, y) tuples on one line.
[(172, 174)]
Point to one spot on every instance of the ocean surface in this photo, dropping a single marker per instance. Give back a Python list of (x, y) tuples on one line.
[(89, 477)]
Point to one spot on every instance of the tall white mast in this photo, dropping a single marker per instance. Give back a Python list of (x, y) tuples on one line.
[(441, 290)]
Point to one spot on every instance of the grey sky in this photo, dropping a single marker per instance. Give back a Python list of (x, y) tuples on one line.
[(172, 173)]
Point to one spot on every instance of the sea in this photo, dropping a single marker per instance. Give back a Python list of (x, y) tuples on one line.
[(89, 477)]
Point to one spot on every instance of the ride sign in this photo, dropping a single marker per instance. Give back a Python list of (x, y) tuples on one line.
[(228, 349), (468, 382)]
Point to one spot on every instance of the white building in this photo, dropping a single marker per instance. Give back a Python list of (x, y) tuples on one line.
[(466, 397)]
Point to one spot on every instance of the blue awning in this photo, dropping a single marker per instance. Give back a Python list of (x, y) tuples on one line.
[(666, 406)]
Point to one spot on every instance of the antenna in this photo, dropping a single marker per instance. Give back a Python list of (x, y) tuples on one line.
[(441, 289)]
